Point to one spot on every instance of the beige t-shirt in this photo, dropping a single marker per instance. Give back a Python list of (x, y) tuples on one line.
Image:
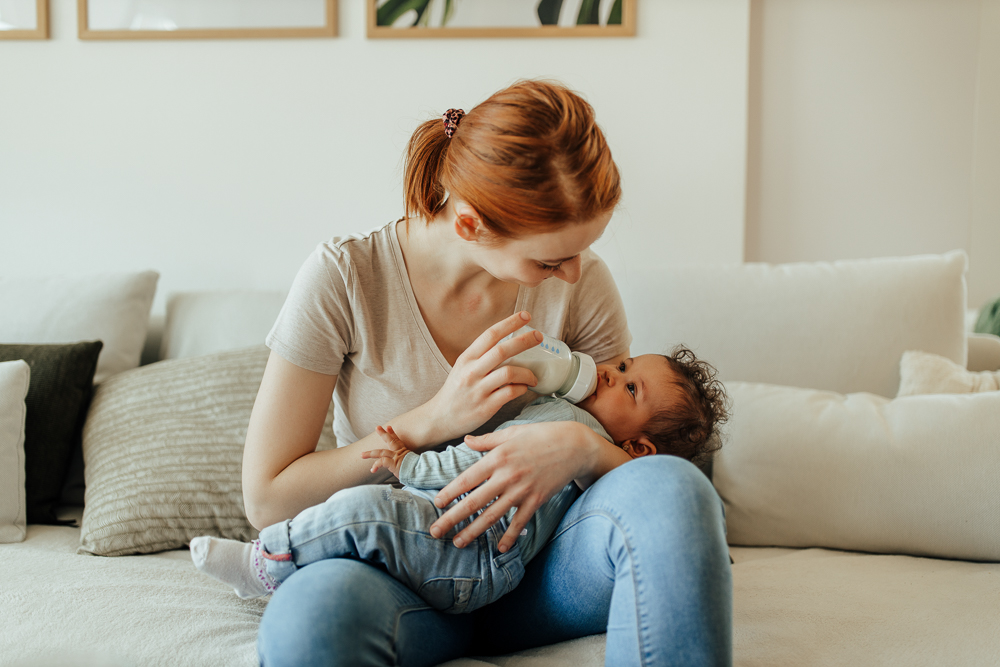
[(351, 312)]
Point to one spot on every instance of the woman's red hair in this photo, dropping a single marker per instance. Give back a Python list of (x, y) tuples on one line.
[(528, 159)]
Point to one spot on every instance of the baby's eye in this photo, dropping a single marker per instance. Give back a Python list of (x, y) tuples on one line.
[(631, 388), (621, 367)]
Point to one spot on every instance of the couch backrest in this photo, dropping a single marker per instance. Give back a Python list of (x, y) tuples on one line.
[(841, 326)]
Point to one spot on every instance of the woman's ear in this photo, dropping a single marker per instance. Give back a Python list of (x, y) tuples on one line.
[(641, 446), (468, 224)]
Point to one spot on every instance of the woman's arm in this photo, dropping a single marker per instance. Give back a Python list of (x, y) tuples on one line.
[(282, 472), (527, 465)]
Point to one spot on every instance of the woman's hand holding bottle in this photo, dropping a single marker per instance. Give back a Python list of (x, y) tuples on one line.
[(476, 388)]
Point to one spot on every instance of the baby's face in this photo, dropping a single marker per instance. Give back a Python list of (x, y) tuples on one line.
[(629, 394)]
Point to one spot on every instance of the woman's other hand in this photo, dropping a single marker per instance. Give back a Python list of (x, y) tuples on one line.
[(477, 386), (392, 458), (526, 466)]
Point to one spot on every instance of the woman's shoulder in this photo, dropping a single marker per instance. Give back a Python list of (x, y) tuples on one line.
[(359, 255), (358, 245)]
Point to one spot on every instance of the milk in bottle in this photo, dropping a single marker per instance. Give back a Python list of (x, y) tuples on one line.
[(560, 372)]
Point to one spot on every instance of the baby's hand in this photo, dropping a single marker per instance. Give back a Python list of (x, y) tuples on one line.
[(391, 459)]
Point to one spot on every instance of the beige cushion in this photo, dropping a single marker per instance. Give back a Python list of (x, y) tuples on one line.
[(199, 323), (984, 352), (14, 378), (840, 326), (111, 307), (926, 373), (913, 475), (163, 445)]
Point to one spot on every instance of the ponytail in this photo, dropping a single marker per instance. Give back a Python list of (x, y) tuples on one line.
[(423, 193)]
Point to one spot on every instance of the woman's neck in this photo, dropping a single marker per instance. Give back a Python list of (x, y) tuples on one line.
[(435, 252)]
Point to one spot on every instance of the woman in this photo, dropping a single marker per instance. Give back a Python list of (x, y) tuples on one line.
[(404, 327)]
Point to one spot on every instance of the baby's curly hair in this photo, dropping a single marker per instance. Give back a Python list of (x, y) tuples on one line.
[(689, 427)]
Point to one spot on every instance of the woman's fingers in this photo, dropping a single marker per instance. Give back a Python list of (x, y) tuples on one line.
[(517, 524), (489, 338), (482, 523), (487, 441), (507, 349), (468, 506), (468, 480), (511, 375)]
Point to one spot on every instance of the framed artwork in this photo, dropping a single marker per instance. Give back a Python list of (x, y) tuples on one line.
[(205, 19), (24, 19), (501, 18)]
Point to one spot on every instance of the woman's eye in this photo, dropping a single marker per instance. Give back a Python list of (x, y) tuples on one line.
[(549, 267)]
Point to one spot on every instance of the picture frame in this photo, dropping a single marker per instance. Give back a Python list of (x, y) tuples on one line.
[(23, 23), (506, 18), (195, 19)]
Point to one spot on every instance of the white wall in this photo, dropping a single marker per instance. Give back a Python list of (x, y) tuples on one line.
[(874, 129), (222, 163), (984, 238)]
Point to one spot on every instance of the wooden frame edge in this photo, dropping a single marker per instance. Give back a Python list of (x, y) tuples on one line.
[(626, 29), (85, 33), (41, 19)]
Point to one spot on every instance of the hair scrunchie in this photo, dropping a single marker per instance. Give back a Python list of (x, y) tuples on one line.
[(452, 117)]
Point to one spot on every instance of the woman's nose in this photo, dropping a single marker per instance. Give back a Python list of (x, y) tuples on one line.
[(570, 270)]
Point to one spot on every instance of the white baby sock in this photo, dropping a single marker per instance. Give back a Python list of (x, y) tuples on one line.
[(239, 564)]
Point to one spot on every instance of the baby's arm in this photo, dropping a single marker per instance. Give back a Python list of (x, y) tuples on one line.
[(427, 470)]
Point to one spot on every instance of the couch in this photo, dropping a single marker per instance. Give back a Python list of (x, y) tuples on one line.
[(864, 528)]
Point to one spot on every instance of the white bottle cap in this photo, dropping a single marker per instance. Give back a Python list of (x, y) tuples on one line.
[(586, 379)]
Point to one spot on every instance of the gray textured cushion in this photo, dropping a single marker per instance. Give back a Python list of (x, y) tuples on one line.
[(163, 446)]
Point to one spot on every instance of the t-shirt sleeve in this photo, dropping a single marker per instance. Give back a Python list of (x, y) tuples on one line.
[(597, 324), (315, 327)]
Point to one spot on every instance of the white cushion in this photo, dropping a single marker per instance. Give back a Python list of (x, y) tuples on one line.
[(926, 373), (14, 377), (113, 308), (914, 475), (200, 323), (840, 326)]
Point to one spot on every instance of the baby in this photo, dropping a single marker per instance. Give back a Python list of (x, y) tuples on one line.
[(652, 404)]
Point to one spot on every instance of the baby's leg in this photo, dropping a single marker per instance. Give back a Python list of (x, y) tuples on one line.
[(385, 526)]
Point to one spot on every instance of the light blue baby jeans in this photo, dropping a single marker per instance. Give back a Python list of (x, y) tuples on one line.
[(388, 527), (641, 555)]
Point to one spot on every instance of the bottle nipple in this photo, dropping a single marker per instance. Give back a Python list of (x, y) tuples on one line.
[(582, 381)]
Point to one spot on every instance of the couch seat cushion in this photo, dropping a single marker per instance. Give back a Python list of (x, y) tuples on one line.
[(822, 607)]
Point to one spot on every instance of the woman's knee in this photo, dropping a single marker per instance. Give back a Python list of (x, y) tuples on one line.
[(658, 486), (347, 612), (333, 612)]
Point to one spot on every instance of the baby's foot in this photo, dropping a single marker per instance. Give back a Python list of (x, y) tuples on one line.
[(238, 564)]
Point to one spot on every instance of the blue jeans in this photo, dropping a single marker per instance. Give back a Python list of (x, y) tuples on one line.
[(388, 527), (640, 555)]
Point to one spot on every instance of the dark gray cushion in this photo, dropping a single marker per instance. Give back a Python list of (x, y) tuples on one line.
[(62, 380)]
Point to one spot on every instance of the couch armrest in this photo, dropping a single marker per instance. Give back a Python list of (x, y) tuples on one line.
[(984, 352)]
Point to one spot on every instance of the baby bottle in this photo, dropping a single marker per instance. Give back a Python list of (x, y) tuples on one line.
[(569, 375)]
